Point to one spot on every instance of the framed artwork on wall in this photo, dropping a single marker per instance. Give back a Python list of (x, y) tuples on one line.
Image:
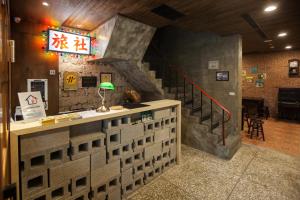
[(105, 77), (89, 81), (222, 76), (294, 68), (70, 80)]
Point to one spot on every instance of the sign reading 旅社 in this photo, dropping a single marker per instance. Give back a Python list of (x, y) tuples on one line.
[(68, 42)]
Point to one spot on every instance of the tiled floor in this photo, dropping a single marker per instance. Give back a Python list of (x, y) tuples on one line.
[(283, 136), (253, 173)]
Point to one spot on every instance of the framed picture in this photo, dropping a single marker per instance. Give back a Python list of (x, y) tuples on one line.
[(89, 81), (253, 70), (105, 77), (294, 68), (70, 80), (222, 76)]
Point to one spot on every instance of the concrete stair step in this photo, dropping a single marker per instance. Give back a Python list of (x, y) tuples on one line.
[(145, 66), (173, 89), (232, 144), (152, 74), (215, 124)]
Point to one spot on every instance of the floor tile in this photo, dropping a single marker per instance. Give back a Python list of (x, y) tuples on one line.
[(282, 178), (248, 190), (161, 189)]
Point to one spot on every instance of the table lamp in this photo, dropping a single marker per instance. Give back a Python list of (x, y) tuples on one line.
[(104, 86)]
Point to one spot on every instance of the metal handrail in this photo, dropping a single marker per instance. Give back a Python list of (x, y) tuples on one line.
[(186, 79)]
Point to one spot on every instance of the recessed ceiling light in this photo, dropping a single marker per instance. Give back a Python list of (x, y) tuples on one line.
[(288, 47), (45, 3), (283, 34), (267, 41), (270, 8)]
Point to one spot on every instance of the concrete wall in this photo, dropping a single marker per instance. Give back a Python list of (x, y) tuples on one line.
[(275, 65), (192, 51), (121, 38)]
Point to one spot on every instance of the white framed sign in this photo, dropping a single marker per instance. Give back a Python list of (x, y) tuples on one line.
[(34, 85), (213, 64), (64, 42), (32, 105)]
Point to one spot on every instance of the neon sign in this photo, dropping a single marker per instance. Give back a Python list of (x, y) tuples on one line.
[(64, 42)]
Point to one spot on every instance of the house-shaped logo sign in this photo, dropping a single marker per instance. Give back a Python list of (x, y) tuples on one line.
[(31, 100)]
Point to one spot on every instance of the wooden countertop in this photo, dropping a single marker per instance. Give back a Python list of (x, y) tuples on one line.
[(23, 128)]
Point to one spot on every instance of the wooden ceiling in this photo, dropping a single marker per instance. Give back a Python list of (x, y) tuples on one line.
[(219, 16)]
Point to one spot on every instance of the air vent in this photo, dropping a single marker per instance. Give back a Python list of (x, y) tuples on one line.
[(255, 26), (167, 12)]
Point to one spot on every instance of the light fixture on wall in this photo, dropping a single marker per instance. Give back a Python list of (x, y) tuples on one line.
[(270, 8), (267, 41), (45, 4), (288, 47), (282, 34)]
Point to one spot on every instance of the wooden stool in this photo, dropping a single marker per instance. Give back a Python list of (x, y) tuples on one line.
[(256, 124)]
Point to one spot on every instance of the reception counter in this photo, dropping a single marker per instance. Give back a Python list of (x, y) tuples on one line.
[(98, 156)]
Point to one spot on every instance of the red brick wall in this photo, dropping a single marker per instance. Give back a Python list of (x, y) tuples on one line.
[(275, 65)]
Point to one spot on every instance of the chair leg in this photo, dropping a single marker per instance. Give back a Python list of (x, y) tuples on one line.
[(262, 132), (249, 126)]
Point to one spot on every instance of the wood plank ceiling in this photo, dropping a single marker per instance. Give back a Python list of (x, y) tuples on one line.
[(219, 16)]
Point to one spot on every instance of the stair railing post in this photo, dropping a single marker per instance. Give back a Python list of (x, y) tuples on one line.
[(176, 79), (223, 127), (169, 78), (192, 95), (201, 104), (184, 90), (211, 116)]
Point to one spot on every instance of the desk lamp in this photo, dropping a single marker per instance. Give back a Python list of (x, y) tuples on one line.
[(104, 86)]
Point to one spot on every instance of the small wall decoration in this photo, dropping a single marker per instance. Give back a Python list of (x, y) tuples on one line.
[(294, 68), (249, 79), (253, 70), (222, 76), (244, 73), (214, 64), (259, 83), (105, 77), (89, 81), (261, 76), (70, 80)]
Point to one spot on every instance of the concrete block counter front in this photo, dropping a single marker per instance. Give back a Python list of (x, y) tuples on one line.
[(101, 156)]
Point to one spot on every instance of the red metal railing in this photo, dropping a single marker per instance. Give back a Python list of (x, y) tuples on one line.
[(187, 80)]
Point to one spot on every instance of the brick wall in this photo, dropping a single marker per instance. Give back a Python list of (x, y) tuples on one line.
[(84, 98), (275, 65)]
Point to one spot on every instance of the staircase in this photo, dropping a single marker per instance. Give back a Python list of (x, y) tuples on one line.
[(204, 120)]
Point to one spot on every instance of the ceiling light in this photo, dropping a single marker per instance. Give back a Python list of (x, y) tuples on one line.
[(270, 8), (78, 25), (283, 34), (45, 3), (267, 41), (288, 47)]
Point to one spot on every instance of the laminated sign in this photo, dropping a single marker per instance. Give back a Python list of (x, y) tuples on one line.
[(32, 105), (70, 81)]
